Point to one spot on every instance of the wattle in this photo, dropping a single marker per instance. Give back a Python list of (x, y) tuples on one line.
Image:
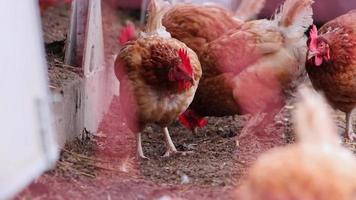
[(318, 60)]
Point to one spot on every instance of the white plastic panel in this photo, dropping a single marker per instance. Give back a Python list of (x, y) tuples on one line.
[(27, 144), (99, 83)]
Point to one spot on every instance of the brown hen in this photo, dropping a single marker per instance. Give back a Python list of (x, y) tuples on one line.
[(158, 77), (250, 68), (331, 64), (197, 25)]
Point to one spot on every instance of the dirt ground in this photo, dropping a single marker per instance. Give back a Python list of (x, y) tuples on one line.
[(55, 24), (212, 161), (105, 166)]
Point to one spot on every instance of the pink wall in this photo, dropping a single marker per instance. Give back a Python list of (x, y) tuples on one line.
[(324, 9), (131, 4)]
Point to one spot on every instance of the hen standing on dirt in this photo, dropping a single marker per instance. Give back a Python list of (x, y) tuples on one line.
[(197, 25), (158, 77), (331, 64), (249, 69)]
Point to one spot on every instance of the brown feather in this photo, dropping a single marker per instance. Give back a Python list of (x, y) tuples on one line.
[(214, 97), (337, 77), (195, 30)]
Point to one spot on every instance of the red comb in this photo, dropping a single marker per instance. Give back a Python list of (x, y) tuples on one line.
[(191, 120), (185, 121), (313, 34), (202, 122), (186, 61), (127, 33)]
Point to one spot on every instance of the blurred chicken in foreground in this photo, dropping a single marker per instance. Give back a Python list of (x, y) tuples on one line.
[(197, 25), (317, 167), (250, 68), (158, 77), (331, 64)]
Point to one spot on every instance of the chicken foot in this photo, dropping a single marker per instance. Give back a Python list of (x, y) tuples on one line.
[(171, 149), (349, 130), (139, 146)]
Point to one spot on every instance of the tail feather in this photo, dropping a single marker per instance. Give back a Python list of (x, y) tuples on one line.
[(313, 119), (157, 9), (295, 17), (249, 9)]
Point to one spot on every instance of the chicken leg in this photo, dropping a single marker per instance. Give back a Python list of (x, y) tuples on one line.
[(139, 146), (169, 143), (195, 131), (349, 130)]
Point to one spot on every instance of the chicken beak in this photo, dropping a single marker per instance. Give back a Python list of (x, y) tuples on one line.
[(188, 78), (191, 80), (311, 54)]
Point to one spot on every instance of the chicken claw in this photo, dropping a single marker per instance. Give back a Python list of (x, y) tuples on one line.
[(351, 136), (169, 153), (171, 149)]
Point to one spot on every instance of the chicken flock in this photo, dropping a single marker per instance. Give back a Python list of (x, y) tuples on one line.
[(194, 61)]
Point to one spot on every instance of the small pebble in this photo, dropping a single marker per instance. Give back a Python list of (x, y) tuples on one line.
[(165, 197), (184, 179)]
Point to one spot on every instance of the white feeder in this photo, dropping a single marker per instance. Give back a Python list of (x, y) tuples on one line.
[(99, 80), (27, 144)]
